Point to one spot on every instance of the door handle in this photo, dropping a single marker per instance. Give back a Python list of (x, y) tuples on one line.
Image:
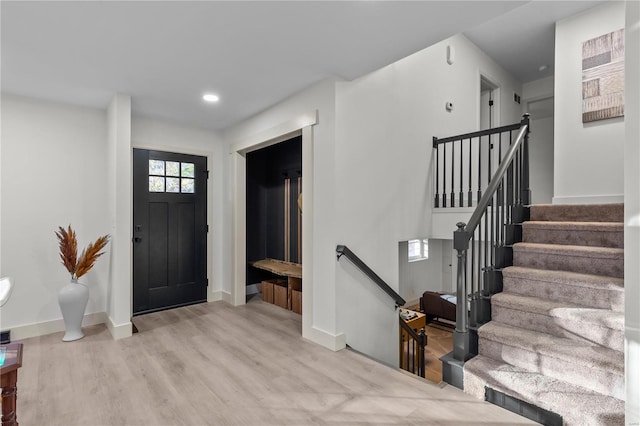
[(137, 239)]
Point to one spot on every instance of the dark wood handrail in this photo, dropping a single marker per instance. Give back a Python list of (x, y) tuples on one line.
[(472, 135), (343, 250)]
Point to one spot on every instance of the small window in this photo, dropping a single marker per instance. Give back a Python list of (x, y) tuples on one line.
[(418, 249), (171, 176)]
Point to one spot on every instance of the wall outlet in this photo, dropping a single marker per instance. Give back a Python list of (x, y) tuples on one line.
[(5, 337)]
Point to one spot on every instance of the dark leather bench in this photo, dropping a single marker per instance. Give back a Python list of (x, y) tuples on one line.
[(434, 306)]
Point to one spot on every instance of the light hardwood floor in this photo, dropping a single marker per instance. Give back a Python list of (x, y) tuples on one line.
[(214, 364), (439, 343)]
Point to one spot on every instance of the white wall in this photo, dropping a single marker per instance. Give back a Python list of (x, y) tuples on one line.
[(384, 125), (149, 133), (589, 156), (632, 213), (54, 174), (419, 276), (537, 99), (538, 89), (541, 160)]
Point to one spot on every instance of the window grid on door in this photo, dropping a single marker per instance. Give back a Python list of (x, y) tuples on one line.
[(171, 177)]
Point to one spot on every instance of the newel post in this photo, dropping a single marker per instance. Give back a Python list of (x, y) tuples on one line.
[(461, 337), (525, 190)]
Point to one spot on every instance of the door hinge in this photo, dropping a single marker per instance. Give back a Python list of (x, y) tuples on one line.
[(206, 174), (490, 102), (207, 228)]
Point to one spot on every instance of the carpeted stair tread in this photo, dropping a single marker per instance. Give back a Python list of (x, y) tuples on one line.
[(600, 326), (577, 405), (594, 291), (603, 317), (556, 347), (596, 234), (592, 260), (577, 212), (558, 357)]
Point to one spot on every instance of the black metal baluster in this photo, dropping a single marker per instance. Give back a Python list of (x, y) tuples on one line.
[(493, 228), (489, 171), (423, 343), (461, 203), (479, 256), (486, 248), (469, 202), (444, 175), (473, 262), (479, 169), (453, 166), (517, 177), (437, 195), (500, 194), (510, 186)]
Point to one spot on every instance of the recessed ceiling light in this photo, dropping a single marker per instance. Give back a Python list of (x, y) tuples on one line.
[(542, 68), (210, 97)]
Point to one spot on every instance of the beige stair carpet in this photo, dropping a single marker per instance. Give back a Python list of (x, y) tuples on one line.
[(557, 331)]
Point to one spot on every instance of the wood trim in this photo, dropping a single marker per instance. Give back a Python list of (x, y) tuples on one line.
[(299, 220), (287, 220)]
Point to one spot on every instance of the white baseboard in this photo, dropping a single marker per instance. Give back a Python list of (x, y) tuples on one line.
[(589, 199), (214, 296), (334, 342), (217, 295), (53, 326), (119, 331)]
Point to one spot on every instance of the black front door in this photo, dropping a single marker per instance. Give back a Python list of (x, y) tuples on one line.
[(169, 230)]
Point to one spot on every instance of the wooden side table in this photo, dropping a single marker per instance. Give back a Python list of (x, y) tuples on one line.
[(8, 382)]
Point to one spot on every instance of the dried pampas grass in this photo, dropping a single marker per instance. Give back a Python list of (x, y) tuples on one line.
[(69, 252)]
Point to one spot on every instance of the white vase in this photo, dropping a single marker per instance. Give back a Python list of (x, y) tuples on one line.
[(73, 299)]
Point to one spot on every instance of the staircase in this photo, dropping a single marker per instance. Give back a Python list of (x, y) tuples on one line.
[(556, 336)]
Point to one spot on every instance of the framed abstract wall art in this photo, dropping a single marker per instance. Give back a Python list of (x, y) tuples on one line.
[(603, 77)]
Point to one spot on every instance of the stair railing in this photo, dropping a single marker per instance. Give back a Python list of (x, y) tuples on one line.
[(343, 250), (463, 165), (412, 350), (484, 247)]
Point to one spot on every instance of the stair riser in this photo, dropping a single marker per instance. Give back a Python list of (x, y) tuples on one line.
[(561, 327), (578, 213), (599, 298), (610, 267), (599, 380), (613, 239)]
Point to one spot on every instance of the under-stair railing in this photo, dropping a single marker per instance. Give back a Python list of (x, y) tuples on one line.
[(412, 350), (463, 165), (343, 250), (494, 226)]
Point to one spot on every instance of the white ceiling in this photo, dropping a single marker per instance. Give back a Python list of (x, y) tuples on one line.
[(253, 54)]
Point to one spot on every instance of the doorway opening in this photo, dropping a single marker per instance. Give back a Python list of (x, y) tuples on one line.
[(274, 224), (303, 125), (489, 104)]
